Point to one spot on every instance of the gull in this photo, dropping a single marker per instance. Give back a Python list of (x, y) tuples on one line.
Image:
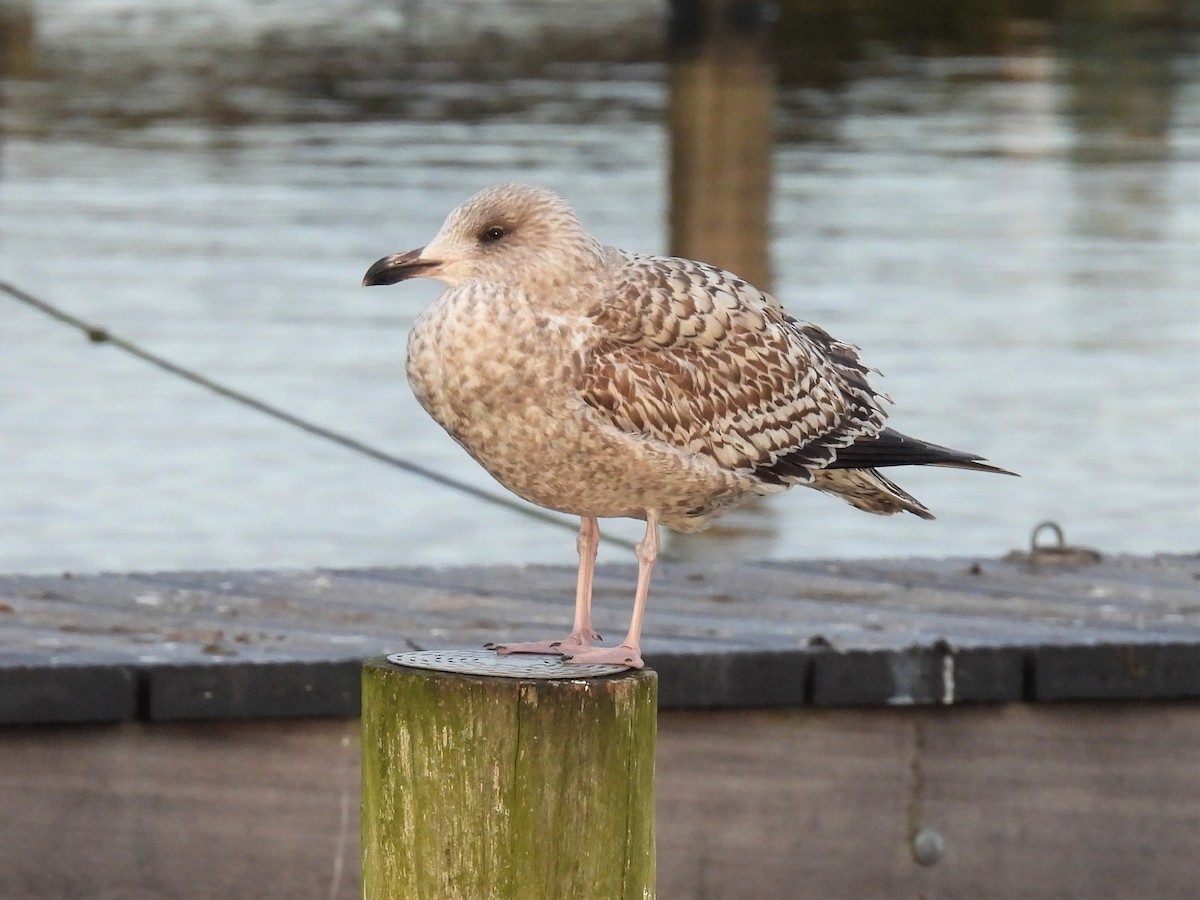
[(603, 383)]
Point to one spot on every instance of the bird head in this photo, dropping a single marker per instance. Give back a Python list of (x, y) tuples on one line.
[(511, 233)]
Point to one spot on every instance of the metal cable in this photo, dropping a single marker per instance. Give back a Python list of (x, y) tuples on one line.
[(100, 335)]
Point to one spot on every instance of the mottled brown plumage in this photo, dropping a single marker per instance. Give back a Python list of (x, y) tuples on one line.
[(605, 383)]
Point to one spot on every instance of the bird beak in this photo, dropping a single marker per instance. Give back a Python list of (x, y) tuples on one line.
[(399, 267)]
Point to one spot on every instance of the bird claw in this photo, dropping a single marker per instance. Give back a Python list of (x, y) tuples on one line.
[(624, 655), (561, 647), (550, 647)]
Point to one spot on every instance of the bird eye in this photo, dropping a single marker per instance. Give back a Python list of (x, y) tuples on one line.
[(493, 233)]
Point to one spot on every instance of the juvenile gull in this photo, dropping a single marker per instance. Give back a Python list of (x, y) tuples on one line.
[(604, 383)]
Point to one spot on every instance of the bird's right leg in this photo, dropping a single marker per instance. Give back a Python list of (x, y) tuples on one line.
[(582, 634), (588, 543)]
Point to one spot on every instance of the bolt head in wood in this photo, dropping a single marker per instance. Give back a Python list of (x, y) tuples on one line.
[(928, 846)]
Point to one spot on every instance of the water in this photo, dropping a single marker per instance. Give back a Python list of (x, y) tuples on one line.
[(1014, 244)]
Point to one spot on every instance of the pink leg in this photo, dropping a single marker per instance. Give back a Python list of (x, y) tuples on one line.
[(582, 634), (629, 653)]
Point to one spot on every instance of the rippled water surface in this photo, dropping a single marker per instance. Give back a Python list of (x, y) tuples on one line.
[(1014, 241)]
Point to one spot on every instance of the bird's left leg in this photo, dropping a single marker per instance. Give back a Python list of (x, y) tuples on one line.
[(629, 652), (582, 634)]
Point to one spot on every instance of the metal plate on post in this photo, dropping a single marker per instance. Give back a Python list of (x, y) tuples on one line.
[(489, 663)]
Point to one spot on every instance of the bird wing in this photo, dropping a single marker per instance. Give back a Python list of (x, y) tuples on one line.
[(693, 356)]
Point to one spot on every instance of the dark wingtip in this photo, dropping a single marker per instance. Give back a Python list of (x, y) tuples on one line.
[(891, 448), (974, 464)]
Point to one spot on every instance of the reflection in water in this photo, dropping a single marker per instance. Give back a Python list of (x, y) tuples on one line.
[(997, 202), (720, 109), (17, 54), (721, 102), (17, 46), (1120, 71)]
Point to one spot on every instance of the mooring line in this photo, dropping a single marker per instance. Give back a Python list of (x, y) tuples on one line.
[(99, 335)]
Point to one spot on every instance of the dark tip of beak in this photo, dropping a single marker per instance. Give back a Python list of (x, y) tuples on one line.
[(398, 267)]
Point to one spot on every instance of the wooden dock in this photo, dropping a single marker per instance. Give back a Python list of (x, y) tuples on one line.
[(872, 728)]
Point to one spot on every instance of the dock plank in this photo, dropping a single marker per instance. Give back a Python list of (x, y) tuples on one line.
[(179, 645)]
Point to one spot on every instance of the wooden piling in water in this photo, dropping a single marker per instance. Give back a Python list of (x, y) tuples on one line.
[(721, 107), (499, 787), (17, 40)]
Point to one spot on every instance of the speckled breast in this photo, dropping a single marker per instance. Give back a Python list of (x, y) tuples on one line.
[(502, 379)]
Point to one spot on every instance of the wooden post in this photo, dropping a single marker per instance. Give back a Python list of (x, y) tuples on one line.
[(17, 40), (480, 787), (721, 107)]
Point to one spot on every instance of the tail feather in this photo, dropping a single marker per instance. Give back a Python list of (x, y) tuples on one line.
[(853, 475), (891, 448), (870, 491)]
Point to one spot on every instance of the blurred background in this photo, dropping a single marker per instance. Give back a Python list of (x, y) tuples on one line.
[(999, 201)]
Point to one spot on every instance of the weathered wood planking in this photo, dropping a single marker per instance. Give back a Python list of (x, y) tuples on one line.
[(134, 811), (180, 645), (1037, 801), (1032, 801)]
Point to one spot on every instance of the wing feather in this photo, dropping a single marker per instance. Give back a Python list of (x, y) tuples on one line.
[(693, 356)]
